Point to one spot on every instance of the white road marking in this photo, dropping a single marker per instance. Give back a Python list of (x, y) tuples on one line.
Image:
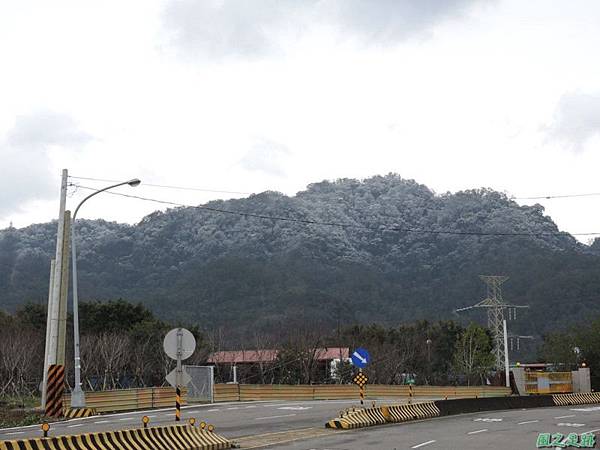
[(575, 425), (73, 426), (274, 417), (296, 408), (477, 431), (212, 410), (129, 418), (153, 415), (564, 417), (423, 444), (102, 421), (15, 432), (593, 408), (229, 409), (592, 431), (528, 421), (251, 406), (485, 419)]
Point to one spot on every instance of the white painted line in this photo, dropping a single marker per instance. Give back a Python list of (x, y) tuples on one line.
[(274, 417), (564, 417), (528, 421), (128, 418), (251, 406), (236, 407), (15, 432), (153, 415), (423, 444), (576, 425), (73, 426), (212, 410), (102, 421), (592, 431), (477, 431)]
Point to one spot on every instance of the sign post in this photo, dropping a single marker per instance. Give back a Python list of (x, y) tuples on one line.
[(360, 358), (179, 344)]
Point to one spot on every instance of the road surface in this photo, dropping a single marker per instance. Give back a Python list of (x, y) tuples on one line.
[(513, 429), (233, 419)]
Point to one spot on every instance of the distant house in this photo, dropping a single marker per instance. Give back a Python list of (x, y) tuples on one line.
[(258, 366)]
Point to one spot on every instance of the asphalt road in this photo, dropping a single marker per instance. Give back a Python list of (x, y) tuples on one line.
[(230, 419), (514, 430)]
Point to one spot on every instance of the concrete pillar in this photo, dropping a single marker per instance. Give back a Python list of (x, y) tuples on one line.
[(585, 383), (575, 381), (519, 376)]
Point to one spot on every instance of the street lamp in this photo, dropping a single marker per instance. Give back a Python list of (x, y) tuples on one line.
[(77, 396)]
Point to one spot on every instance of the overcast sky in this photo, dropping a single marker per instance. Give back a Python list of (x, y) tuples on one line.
[(249, 95)]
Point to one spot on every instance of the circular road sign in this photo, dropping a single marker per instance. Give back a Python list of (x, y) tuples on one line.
[(172, 340), (360, 357)]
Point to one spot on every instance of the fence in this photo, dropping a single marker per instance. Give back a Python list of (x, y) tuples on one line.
[(251, 392), (129, 399), (548, 382)]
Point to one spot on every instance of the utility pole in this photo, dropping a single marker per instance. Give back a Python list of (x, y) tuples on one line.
[(495, 311), (54, 308)]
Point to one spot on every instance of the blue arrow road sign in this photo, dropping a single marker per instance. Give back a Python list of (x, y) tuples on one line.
[(360, 357)]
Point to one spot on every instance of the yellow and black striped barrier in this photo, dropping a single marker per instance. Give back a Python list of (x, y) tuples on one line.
[(369, 417), (75, 413), (177, 404), (54, 393), (173, 437), (583, 398)]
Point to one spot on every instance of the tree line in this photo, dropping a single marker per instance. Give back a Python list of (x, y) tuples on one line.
[(121, 347)]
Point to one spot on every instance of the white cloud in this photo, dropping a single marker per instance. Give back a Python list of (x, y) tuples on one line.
[(26, 155), (576, 120), (266, 156), (225, 28)]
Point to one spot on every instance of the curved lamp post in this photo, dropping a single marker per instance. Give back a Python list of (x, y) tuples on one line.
[(77, 396)]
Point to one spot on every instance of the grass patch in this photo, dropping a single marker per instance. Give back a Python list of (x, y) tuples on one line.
[(19, 411)]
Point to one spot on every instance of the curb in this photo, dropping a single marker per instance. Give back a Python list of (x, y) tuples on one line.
[(173, 437)]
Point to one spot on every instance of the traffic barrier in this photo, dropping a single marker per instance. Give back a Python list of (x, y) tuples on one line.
[(403, 413), (369, 417), (172, 437), (74, 413), (467, 405), (584, 398), (130, 399), (251, 392)]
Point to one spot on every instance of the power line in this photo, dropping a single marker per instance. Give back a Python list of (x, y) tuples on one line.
[(550, 197), (181, 188), (189, 188), (378, 228)]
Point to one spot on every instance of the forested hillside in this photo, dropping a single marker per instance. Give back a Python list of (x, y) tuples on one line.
[(244, 273)]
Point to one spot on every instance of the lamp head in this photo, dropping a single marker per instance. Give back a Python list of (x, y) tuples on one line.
[(135, 182)]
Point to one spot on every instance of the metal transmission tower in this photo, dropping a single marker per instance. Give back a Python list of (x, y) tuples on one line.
[(495, 310)]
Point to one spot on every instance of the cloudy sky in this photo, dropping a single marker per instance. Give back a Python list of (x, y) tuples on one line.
[(249, 95)]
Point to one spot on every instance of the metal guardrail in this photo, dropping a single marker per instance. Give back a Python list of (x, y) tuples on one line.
[(250, 392), (129, 399), (164, 397)]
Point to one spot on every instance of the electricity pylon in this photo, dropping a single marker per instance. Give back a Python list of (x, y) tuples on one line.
[(495, 311)]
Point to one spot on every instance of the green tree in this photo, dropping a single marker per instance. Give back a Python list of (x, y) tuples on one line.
[(473, 357)]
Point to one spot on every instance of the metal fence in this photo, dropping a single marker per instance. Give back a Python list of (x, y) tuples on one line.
[(251, 392), (129, 399)]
